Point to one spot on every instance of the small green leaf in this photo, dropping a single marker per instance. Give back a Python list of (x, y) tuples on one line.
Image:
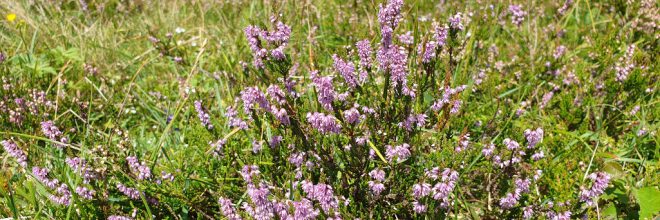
[(649, 202)]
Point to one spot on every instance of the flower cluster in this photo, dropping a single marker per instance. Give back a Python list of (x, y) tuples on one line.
[(600, 182), (324, 123), (13, 150), (202, 115)]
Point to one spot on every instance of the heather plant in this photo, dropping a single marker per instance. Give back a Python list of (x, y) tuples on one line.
[(329, 110)]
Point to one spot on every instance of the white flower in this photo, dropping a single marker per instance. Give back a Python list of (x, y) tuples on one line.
[(179, 30)]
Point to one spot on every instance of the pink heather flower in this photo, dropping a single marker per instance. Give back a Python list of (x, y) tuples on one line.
[(455, 22), (561, 49), (346, 70), (511, 144), (235, 121), (276, 94), (325, 90), (252, 96), (252, 34), (352, 116), (533, 137), (546, 99), (389, 17), (41, 174), (406, 38), (275, 141), (561, 216), (130, 192), (634, 110), (51, 131), (455, 107), (117, 217), (522, 185), (249, 172), (376, 187), (377, 174), (281, 115), (564, 8), (538, 155), (228, 210), (488, 150), (421, 190), (64, 197), (218, 146), (528, 212), (463, 142), (263, 208), (14, 151), (509, 201), (256, 146), (442, 190), (517, 14), (296, 159), (418, 207), (364, 52), (321, 193), (600, 183), (396, 60), (79, 165), (323, 123), (141, 170), (625, 64), (84, 192), (202, 115), (418, 120), (400, 152)]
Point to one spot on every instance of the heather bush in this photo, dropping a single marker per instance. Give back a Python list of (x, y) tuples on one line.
[(329, 110)]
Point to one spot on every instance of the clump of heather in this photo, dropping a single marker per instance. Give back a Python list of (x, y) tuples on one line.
[(408, 110)]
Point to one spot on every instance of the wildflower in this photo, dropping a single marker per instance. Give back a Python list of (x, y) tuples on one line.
[(377, 174), (352, 116), (421, 190), (11, 17), (235, 121), (218, 146), (364, 52), (117, 217), (141, 170), (346, 70), (41, 174), (389, 17), (488, 150), (533, 137), (455, 22), (511, 144), (600, 182), (281, 115), (419, 207), (528, 212), (79, 165), (179, 30), (325, 90), (561, 49), (263, 208), (228, 210), (323, 123), (399, 152), (252, 96), (130, 192), (202, 115), (249, 172), (463, 142), (537, 156), (14, 151), (634, 110), (517, 14), (406, 38), (321, 193), (64, 197), (51, 131), (276, 94), (376, 187), (84, 192), (625, 64)]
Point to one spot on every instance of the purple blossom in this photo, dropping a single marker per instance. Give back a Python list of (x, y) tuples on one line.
[(376, 187), (84, 192), (418, 207), (463, 142), (249, 172), (41, 174), (64, 197), (600, 183), (321, 193), (323, 123), (130, 192), (252, 34), (202, 115), (418, 120), (218, 146), (406, 38), (399, 152), (14, 151), (235, 121), (538, 155), (625, 64), (263, 208), (517, 14), (377, 174), (79, 165), (528, 212), (511, 144), (389, 17), (488, 150), (52, 132), (325, 90), (141, 170), (364, 52), (346, 70), (276, 94), (281, 115), (509, 201), (421, 190), (352, 116), (252, 96), (228, 210), (561, 49), (533, 137), (455, 22), (117, 217)]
